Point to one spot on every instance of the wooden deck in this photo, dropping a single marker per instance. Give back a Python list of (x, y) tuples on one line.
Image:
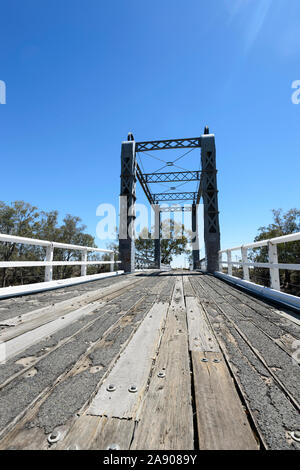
[(172, 360)]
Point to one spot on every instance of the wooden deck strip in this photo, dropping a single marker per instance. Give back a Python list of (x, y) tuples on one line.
[(267, 398), (128, 372), (269, 351), (221, 420), (166, 415)]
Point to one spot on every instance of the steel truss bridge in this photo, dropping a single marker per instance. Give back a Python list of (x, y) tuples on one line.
[(149, 359), (206, 188)]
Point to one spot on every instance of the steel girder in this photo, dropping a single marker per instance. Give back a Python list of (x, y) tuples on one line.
[(176, 209), (186, 196), (171, 177), (193, 142)]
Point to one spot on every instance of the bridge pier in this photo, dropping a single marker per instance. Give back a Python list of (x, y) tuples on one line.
[(127, 205), (210, 200), (195, 237)]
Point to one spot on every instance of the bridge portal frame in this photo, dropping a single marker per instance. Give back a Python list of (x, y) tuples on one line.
[(207, 189)]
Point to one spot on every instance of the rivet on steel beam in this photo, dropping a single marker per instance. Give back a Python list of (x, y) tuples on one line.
[(204, 359), (132, 389), (111, 388), (113, 447), (161, 375), (54, 437), (295, 435)]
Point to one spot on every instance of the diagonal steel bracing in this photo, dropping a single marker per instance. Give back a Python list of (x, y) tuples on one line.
[(193, 142), (172, 177), (186, 196)]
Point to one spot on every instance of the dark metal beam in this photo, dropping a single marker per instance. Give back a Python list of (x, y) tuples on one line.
[(144, 185), (187, 196), (170, 177), (176, 209), (193, 142)]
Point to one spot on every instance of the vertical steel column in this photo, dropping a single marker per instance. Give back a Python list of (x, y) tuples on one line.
[(127, 205), (157, 254), (210, 199), (195, 237)]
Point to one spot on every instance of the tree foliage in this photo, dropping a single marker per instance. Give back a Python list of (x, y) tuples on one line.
[(174, 241), (284, 223)]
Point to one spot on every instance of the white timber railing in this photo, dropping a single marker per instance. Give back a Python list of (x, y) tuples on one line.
[(272, 265), (48, 262)]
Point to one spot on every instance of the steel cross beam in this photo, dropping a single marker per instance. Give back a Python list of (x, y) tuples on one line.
[(187, 196), (176, 209), (193, 142), (170, 177)]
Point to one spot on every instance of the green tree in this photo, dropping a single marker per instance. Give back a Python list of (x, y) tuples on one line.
[(22, 219), (283, 224), (174, 241)]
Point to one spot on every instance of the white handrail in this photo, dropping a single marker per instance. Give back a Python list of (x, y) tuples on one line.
[(48, 263), (272, 265), (35, 241)]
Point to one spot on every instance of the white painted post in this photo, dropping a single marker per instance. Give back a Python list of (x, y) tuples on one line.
[(112, 265), (245, 260), (220, 262), (49, 269), (84, 259), (229, 261), (274, 272)]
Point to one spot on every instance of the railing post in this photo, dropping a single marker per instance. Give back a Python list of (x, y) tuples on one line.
[(49, 269), (221, 262), (157, 251), (244, 252), (274, 272), (84, 266), (112, 264), (229, 261)]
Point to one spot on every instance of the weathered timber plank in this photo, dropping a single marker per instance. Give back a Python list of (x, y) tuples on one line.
[(15, 310), (271, 318), (221, 421), (98, 433), (187, 288), (166, 416), (278, 361), (36, 323), (20, 343), (128, 371), (272, 412), (67, 390), (201, 336)]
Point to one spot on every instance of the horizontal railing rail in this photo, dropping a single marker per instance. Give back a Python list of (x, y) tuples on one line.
[(273, 265), (48, 263)]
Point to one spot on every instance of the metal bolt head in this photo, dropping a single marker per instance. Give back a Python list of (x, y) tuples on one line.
[(54, 437), (111, 388), (216, 360), (161, 375), (113, 447), (204, 359), (132, 389), (295, 435)]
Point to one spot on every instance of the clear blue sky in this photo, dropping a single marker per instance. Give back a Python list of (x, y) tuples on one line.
[(80, 74)]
